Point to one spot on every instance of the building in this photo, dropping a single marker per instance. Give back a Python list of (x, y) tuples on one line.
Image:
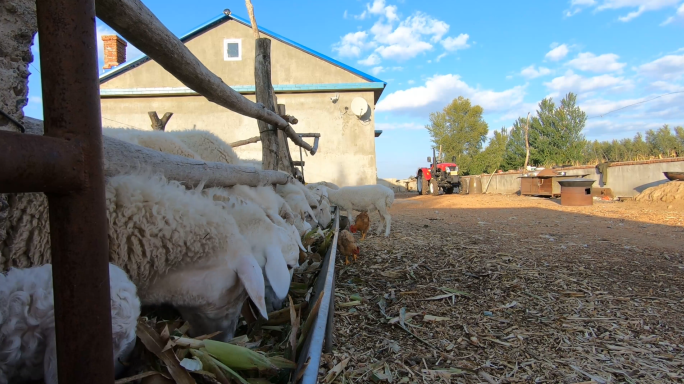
[(316, 89)]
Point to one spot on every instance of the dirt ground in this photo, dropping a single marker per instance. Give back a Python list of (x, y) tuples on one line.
[(505, 289)]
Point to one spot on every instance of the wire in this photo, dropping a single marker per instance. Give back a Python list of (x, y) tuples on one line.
[(631, 105), (132, 126), (34, 67)]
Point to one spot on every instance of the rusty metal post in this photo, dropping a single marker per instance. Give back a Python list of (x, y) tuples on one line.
[(78, 221)]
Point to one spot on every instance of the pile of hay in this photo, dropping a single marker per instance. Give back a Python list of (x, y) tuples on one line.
[(669, 192)]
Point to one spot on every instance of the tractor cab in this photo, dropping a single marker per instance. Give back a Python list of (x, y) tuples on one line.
[(439, 176)]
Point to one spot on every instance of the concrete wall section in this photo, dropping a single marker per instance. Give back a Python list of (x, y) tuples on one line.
[(626, 179), (346, 154), (289, 64)]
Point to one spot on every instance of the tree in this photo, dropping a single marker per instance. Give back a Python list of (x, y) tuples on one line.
[(556, 132), (492, 157), (460, 130), (663, 142), (514, 158)]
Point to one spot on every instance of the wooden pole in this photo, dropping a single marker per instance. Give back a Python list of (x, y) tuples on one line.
[(284, 157), (252, 19), (262, 80), (240, 143), (157, 123), (527, 143), (138, 25)]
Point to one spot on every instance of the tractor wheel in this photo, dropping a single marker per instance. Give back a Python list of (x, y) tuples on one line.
[(449, 190), (434, 188), (422, 185)]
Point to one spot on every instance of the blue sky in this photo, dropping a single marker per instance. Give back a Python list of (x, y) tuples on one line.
[(503, 55)]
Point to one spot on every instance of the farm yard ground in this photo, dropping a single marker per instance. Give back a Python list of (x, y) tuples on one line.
[(504, 289)]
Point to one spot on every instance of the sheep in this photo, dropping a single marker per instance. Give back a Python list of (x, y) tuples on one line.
[(363, 198), (328, 184), (207, 145), (277, 256), (157, 140), (323, 213), (177, 246), (297, 201), (27, 325)]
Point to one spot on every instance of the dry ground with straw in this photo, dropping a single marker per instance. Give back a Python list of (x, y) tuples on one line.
[(506, 289)]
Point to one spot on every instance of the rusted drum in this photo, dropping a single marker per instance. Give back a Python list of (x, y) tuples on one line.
[(576, 192), (475, 185)]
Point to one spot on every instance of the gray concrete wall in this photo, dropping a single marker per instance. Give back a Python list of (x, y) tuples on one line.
[(346, 153), (626, 179), (397, 185)]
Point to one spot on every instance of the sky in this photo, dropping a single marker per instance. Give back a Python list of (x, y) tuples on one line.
[(505, 56)]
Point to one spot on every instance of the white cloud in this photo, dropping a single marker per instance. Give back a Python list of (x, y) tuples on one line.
[(391, 126), (557, 53), (678, 16), (353, 44), (668, 67), (442, 89), (572, 82), (395, 39), (667, 86), (35, 100), (531, 72), (440, 57), (371, 60), (456, 43), (587, 61), (377, 70), (411, 82), (576, 6), (345, 14), (641, 6)]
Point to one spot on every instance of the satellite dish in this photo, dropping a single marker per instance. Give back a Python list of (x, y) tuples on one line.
[(359, 106)]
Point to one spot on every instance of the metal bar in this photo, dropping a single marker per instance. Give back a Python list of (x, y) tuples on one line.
[(330, 325), (78, 220), (39, 164), (310, 359)]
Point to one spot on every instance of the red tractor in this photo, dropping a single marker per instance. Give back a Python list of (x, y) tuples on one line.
[(442, 176)]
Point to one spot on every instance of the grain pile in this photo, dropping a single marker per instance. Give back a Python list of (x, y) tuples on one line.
[(667, 193), (468, 290)]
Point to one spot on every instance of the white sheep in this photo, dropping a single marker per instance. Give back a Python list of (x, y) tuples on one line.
[(323, 212), (273, 248), (328, 184), (298, 202), (207, 145), (157, 140), (177, 246), (27, 325), (366, 198)]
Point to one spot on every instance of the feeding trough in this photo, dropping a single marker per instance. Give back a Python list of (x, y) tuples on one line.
[(674, 176), (576, 192)]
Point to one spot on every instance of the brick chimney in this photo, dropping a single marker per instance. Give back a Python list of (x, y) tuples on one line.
[(114, 51)]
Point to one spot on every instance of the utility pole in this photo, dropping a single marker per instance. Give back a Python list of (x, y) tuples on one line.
[(527, 143)]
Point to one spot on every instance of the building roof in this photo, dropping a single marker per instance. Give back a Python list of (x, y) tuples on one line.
[(223, 18)]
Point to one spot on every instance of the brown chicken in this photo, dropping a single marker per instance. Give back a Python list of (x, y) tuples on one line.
[(347, 246), (362, 224)]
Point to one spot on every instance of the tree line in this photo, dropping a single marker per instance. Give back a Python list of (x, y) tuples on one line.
[(555, 138)]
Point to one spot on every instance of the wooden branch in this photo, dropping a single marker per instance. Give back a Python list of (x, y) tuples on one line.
[(284, 157), (138, 25), (290, 119), (240, 143), (159, 124), (123, 157), (264, 95), (298, 163), (252, 19)]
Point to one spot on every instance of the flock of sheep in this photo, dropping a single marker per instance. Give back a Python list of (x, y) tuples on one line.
[(203, 250)]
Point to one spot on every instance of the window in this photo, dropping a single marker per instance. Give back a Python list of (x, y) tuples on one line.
[(232, 49)]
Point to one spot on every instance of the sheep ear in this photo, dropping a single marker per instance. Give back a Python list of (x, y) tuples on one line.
[(252, 278), (277, 272)]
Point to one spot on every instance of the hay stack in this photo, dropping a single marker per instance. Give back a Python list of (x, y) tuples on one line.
[(666, 193)]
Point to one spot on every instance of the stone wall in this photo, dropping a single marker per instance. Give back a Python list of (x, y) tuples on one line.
[(17, 28)]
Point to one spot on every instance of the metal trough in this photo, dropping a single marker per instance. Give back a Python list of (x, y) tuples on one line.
[(310, 357)]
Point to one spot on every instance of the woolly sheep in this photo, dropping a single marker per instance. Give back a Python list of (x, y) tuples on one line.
[(275, 251), (297, 201), (176, 246), (157, 140), (363, 198), (207, 145), (328, 184), (323, 213), (27, 325)]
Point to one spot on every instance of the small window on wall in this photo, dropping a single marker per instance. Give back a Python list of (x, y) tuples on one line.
[(232, 49)]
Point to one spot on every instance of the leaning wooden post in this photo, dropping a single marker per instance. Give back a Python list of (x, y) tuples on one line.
[(262, 80), (284, 157), (527, 143), (157, 123), (252, 19)]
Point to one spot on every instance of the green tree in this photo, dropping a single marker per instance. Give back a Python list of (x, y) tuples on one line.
[(514, 158), (492, 157), (460, 130), (556, 132), (663, 142)]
